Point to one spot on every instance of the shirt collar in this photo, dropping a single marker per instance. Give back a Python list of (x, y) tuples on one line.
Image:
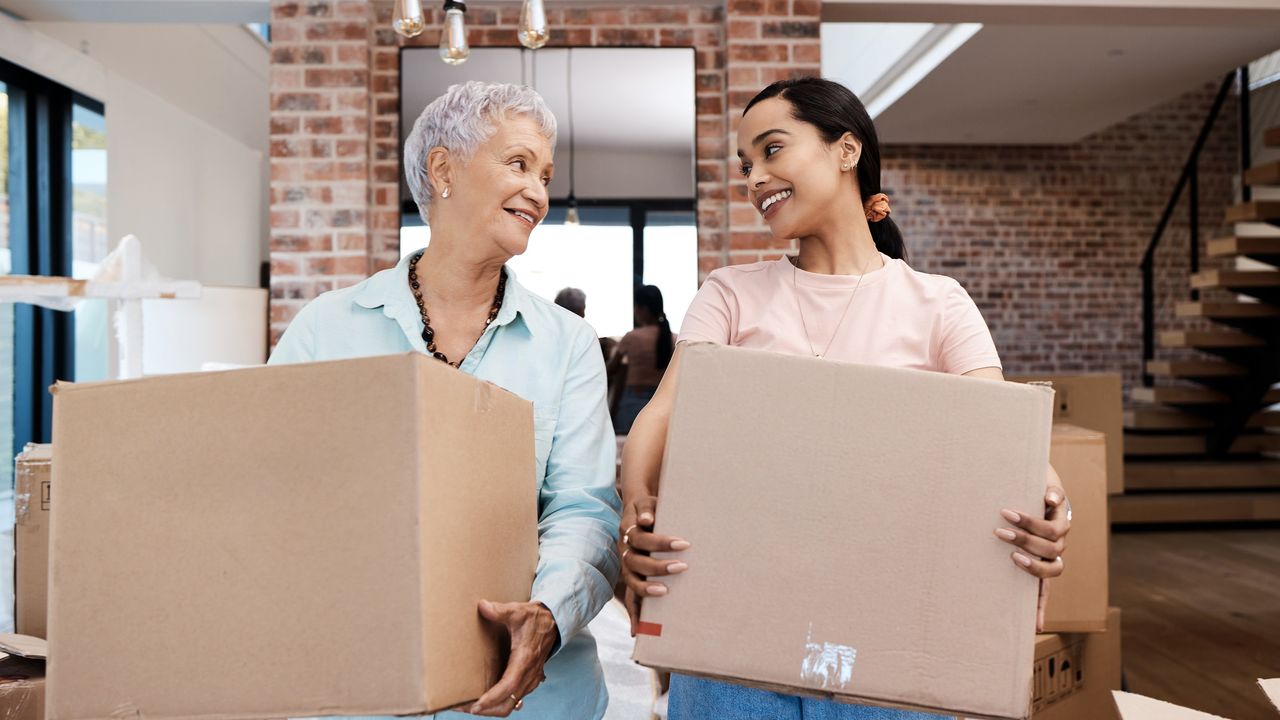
[(389, 290)]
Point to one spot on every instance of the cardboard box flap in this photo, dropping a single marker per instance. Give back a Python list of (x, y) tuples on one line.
[(843, 464), (1272, 689), (1138, 707), (1068, 433), (36, 452), (25, 646)]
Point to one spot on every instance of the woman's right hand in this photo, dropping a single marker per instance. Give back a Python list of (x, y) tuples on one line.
[(638, 541)]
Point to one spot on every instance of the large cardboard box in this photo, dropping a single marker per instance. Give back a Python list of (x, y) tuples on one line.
[(286, 541), (31, 539), (1095, 401), (841, 522), (1078, 598), (1076, 674)]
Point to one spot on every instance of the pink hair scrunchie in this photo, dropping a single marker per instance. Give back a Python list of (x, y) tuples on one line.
[(877, 207)]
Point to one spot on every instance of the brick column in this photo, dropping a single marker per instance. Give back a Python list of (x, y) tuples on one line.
[(320, 140), (768, 40)]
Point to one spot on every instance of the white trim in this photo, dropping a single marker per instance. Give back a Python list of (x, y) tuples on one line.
[(45, 56), (935, 47)]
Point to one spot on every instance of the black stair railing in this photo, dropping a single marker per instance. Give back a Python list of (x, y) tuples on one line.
[(1189, 179)]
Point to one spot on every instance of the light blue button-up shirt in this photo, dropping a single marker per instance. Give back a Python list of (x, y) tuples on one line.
[(552, 358)]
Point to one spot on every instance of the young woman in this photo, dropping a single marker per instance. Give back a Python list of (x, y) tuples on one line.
[(643, 355), (811, 158)]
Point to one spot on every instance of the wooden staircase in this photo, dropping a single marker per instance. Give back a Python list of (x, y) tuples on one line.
[(1201, 443)]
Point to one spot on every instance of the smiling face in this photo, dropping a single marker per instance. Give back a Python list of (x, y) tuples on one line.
[(502, 190), (794, 177)]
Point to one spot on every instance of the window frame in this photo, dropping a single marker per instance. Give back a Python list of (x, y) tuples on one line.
[(40, 236)]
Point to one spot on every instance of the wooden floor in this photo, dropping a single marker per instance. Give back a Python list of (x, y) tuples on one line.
[(1201, 616)]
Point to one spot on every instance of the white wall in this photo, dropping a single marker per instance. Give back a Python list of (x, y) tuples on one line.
[(193, 195), (187, 123)]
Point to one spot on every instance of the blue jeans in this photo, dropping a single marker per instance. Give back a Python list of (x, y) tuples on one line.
[(633, 401), (694, 698)]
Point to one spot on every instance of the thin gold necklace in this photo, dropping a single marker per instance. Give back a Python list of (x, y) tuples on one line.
[(795, 288)]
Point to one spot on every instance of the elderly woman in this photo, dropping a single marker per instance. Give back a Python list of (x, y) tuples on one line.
[(478, 163)]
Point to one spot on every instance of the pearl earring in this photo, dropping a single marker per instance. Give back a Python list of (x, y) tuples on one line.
[(445, 194), (845, 166)]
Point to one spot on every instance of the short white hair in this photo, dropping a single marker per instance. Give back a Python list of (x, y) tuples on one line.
[(460, 121)]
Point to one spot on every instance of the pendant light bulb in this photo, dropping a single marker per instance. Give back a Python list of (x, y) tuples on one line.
[(571, 215), (409, 20), (533, 32), (454, 49)]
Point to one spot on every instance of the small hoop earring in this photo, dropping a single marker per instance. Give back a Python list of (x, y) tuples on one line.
[(445, 193)]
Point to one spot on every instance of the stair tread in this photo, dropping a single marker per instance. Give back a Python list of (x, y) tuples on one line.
[(1172, 395), (1159, 417), (1172, 507), (1193, 474), (1254, 211), (1207, 338), (1194, 368), (1264, 174), (1209, 279), (1249, 246), (1197, 444), (1226, 310), (1181, 395)]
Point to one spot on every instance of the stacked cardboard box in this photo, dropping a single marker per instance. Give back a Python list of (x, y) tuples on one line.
[(1093, 401), (21, 688), (31, 539), (1077, 669), (22, 679)]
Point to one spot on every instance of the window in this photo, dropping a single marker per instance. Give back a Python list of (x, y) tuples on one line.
[(671, 260), (53, 138), (616, 245), (594, 256), (90, 242), (6, 309)]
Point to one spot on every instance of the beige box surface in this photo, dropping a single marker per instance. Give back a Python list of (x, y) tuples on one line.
[(841, 522), (31, 539), (1078, 598), (1093, 401), (286, 541)]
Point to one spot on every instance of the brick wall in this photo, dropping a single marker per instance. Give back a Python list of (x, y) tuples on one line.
[(1048, 239), (320, 150)]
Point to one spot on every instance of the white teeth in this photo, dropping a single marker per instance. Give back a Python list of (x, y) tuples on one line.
[(526, 216), (769, 201)]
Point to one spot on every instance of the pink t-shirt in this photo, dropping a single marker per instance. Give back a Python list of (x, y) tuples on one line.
[(899, 317)]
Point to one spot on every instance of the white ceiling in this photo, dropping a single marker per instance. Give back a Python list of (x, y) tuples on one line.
[(223, 80), (1032, 84)]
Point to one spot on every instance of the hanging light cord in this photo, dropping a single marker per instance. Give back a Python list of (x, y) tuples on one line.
[(573, 155)]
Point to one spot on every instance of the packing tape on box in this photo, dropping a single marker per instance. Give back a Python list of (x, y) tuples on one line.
[(648, 628)]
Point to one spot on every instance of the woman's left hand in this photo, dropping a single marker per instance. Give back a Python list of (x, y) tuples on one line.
[(1041, 540), (533, 634)]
